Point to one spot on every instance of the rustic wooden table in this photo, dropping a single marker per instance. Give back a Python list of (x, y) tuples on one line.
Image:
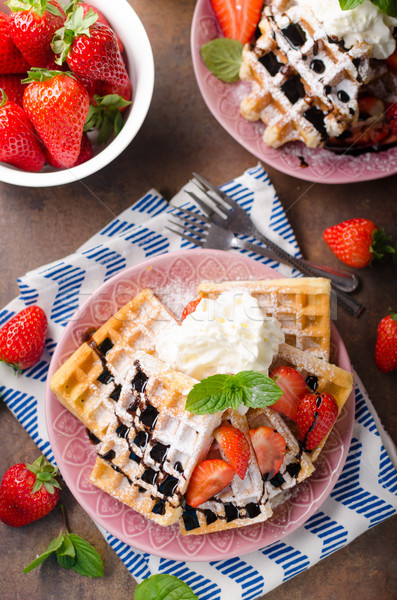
[(40, 225)]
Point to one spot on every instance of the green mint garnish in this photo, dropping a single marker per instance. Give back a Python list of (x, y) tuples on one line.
[(164, 587), (219, 392), (223, 58), (389, 7), (72, 552)]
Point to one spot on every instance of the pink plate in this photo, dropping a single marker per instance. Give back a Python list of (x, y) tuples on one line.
[(223, 100), (174, 278)]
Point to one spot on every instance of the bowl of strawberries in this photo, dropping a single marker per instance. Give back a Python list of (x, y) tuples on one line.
[(76, 82)]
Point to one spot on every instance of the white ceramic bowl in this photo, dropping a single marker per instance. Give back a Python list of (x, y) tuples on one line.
[(140, 66)]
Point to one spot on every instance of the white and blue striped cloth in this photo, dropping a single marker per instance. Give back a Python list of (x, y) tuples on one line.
[(366, 491)]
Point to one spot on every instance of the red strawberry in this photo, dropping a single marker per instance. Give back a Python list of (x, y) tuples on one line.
[(236, 447), (57, 104), (386, 344), (33, 25), (357, 241), (208, 478), (18, 143), (22, 338), (13, 88), (238, 18), (101, 19), (316, 416), (391, 61), (91, 50), (269, 446), (28, 492), (11, 60), (190, 308), (391, 117), (86, 153), (294, 387), (370, 106)]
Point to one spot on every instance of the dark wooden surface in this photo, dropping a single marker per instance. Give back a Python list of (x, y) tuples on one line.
[(40, 225)]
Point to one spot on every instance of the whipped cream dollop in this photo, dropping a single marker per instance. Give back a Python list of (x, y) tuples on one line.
[(225, 335), (365, 23)]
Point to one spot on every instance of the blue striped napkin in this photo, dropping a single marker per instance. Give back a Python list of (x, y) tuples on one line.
[(366, 491)]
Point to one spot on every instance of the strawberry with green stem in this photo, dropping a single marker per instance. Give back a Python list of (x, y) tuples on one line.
[(33, 24), (18, 142), (57, 104), (101, 17), (11, 60), (90, 49), (386, 344), (104, 115), (13, 87), (28, 492), (357, 242)]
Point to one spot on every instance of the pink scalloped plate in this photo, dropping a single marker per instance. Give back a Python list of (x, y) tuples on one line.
[(312, 164), (174, 278)]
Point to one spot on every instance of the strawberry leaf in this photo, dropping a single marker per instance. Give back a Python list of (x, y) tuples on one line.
[(382, 245), (164, 587), (52, 547), (88, 562), (105, 116), (223, 58)]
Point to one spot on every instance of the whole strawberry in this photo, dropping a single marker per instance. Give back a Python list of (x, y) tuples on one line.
[(315, 417), (18, 142), (22, 338), (57, 104), (28, 492), (33, 24), (91, 50), (11, 60), (386, 344), (101, 16), (357, 242)]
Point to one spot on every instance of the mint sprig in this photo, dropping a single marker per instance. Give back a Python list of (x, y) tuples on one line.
[(389, 7), (72, 552), (219, 392), (223, 58), (164, 587)]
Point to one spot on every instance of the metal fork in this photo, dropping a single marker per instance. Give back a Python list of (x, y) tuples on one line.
[(231, 216), (199, 229)]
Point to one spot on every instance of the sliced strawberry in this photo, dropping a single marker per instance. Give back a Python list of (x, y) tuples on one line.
[(269, 446), (294, 387), (236, 447), (391, 117), (238, 18), (316, 416), (391, 61), (190, 308), (208, 478), (370, 106)]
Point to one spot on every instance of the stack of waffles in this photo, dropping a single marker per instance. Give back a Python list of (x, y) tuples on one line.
[(304, 84), (148, 445)]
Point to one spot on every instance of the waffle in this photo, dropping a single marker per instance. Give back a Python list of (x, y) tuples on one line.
[(148, 455), (329, 378), (304, 84), (301, 305), (243, 502), (88, 384)]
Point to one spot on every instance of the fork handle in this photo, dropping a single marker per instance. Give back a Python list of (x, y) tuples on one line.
[(354, 307)]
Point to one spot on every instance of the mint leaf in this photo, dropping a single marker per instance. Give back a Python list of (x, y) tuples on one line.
[(66, 554), (223, 58), (258, 390), (164, 587), (51, 548), (349, 4), (214, 394), (389, 7), (87, 561)]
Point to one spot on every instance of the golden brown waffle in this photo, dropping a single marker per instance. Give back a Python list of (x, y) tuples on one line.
[(89, 382), (301, 305), (304, 84), (330, 378), (148, 455), (243, 502)]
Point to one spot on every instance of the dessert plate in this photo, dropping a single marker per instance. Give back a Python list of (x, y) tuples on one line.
[(174, 278), (312, 164)]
